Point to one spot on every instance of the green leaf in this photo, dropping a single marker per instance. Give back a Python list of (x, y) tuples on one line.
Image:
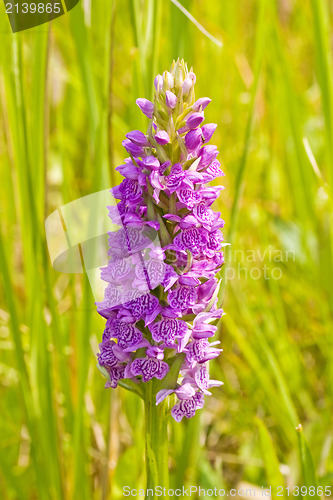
[(170, 381), (126, 383), (103, 371), (268, 454), (130, 385), (308, 470)]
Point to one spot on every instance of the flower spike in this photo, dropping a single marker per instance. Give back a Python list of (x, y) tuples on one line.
[(160, 301)]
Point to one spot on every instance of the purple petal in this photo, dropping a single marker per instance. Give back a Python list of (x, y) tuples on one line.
[(162, 137), (208, 130), (120, 354), (154, 224), (162, 394), (192, 76), (201, 104), (207, 155), (158, 82), (151, 316), (203, 317), (151, 162), (187, 85), (137, 137), (194, 120), (132, 148), (155, 352), (177, 413), (164, 166), (170, 99), (146, 107), (174, 218), (193, 139), (185, 391), (155, 180), (176, 169), (133, 220), (129, 170)]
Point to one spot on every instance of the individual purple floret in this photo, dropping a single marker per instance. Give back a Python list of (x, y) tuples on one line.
[(160, 301)]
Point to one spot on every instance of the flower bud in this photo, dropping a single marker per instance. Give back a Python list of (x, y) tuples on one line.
[(194, 120), (192, 77), (201, 103), (208, 130), (151, 162), (168, 80), (187, 85), (179, 77), (193, 140), (146, 107), (162, 137), (158, 82), (132, 148), (170, 99)]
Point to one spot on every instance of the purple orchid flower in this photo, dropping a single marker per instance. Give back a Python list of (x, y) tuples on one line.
[(160, 301)]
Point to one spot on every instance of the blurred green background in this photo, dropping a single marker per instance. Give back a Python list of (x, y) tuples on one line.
[(67, 98)]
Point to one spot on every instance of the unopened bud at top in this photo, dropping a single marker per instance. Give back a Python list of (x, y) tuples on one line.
[(168, 80), (188, 82), (162, 137), (179, 76), (158, 82)]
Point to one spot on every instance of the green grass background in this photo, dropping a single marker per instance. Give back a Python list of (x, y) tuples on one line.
[(67, 98)]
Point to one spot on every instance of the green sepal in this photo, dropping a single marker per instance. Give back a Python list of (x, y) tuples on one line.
[(214, 297), (171, 129), (180, 105), (131, 386), (189, 317), (189, 261), (103, 371), (172, 204), (194, 164), (170, 380), (140, 353), (189, 163), (182, 146), (150, 209), (162, 155), (163, 232), (126, 383), (182, 116)]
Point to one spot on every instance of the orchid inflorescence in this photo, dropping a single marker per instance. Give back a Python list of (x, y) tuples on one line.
[(161, 300)]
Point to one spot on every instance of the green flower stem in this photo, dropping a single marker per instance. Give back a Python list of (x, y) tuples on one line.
[(156, 440)]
